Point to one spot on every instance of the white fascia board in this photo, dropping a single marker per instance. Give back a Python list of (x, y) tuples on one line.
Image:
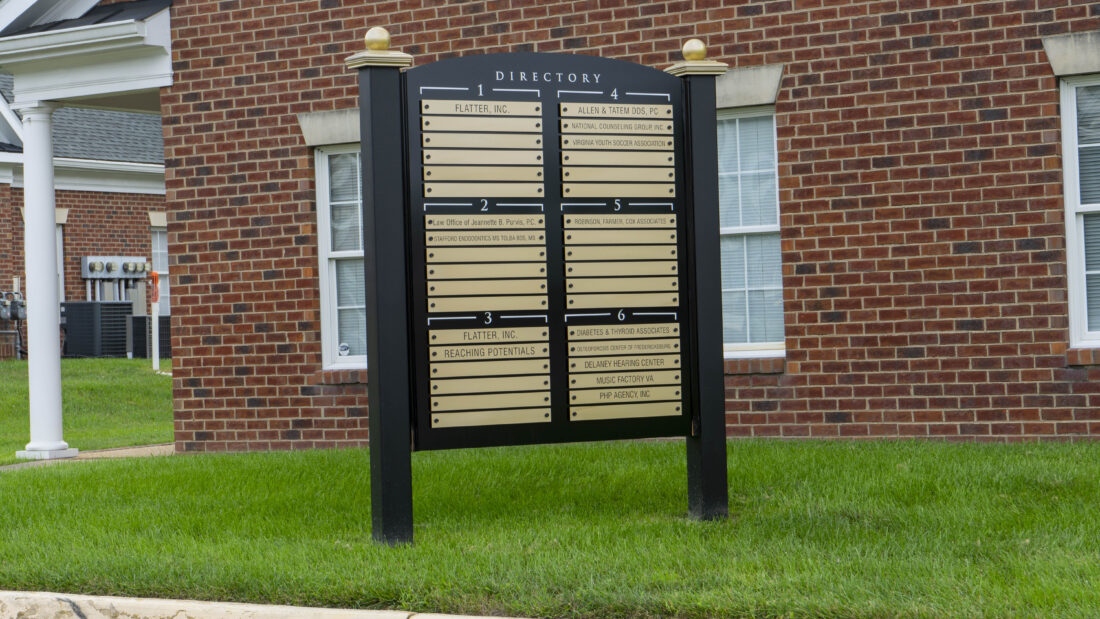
[(40, 46), (7, 171), (103, 176), (11, 128)]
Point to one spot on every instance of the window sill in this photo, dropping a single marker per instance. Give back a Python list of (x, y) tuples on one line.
[(757, 365), (342, 376), (1083, 356)]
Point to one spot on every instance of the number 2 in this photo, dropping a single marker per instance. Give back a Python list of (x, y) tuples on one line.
[(484, 204)]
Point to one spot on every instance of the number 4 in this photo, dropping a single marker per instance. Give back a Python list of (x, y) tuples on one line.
[(615, 94)]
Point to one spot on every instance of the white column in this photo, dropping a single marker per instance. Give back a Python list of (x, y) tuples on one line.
[(43, 310)]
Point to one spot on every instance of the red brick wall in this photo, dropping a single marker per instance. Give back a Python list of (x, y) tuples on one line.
[(920, 198)]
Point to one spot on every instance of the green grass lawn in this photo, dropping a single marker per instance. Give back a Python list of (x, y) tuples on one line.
[(837, 529), (105, 403)]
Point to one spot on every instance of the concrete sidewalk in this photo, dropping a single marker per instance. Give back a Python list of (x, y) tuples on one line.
[(142, 451), (43, 605)]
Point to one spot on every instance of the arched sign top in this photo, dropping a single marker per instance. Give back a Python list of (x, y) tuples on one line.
[(537, 70)]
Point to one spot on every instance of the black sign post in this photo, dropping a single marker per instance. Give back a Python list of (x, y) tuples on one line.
[(542, 260)]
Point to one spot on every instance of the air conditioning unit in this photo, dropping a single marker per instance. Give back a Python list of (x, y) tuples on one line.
[(95, 328)]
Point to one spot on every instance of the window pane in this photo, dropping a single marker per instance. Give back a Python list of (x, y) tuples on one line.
[(733, 262), (757, 140), (1088, 115), (758, 199), (349, 283), (727, 145), (353, 332), (1088, 171), (764, 260), (766, 315), (344, 177), (345, 227), (729, 207), (733, 317), (1092, 242)]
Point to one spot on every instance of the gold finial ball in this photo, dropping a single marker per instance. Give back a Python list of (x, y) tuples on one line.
[(694, 49), (377, 39)]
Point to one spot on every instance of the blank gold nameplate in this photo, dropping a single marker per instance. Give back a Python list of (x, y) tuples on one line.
[(625, 364), (466, 222), (624, 379), (617, 190), (466, 271), (435, 238), (480, 108), (483, 190), (483, 157), (616, 142), (606, 332), (623, 394), (613, 158), (487, 286), (481, 140), (491, 418), (619, 252), (625, 411), (489, 352), (465, 123), (486, 254), (579, 173), (607, 125), (622, 284), (623, 347), (490, 400), (625, 299), (619, 221), (610, 237), (490, 368), (503, 334), (590, 269), (614, 110), (486, 304), (482, 173), (490, 385)]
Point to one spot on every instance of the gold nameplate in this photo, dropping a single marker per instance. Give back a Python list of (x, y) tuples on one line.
[(489, 352), (483, 190), (625, 299), (624, 379), (490, 385), (485, 123), (625, 364), (483, 157), (622, 395), (625, 411), (490, 368), (592, 269), (613, 158), (467, 222), (486, 254), (436, 238), (622, 284), (491, 418), (579, 125), (465, 271), (481, 140), (577, 173), (619, 221), (503, 334), (522, 399), (614, 110), (487, 286), (617, 190), (619, 252), (611, 237), (616, 142), (606, 332), (482, 173), (482, 108), (623, 347), (484, 304)]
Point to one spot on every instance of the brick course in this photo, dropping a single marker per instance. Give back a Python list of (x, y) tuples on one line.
[(923, 231)]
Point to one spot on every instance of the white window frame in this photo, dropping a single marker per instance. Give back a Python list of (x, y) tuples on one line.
[(163, 298), (755, 349), (1080, 336), (326, 261)]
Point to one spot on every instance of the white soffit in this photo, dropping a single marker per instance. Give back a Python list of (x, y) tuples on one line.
[(103, 176), (1073, 54), (332, 127), (747, 86)]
